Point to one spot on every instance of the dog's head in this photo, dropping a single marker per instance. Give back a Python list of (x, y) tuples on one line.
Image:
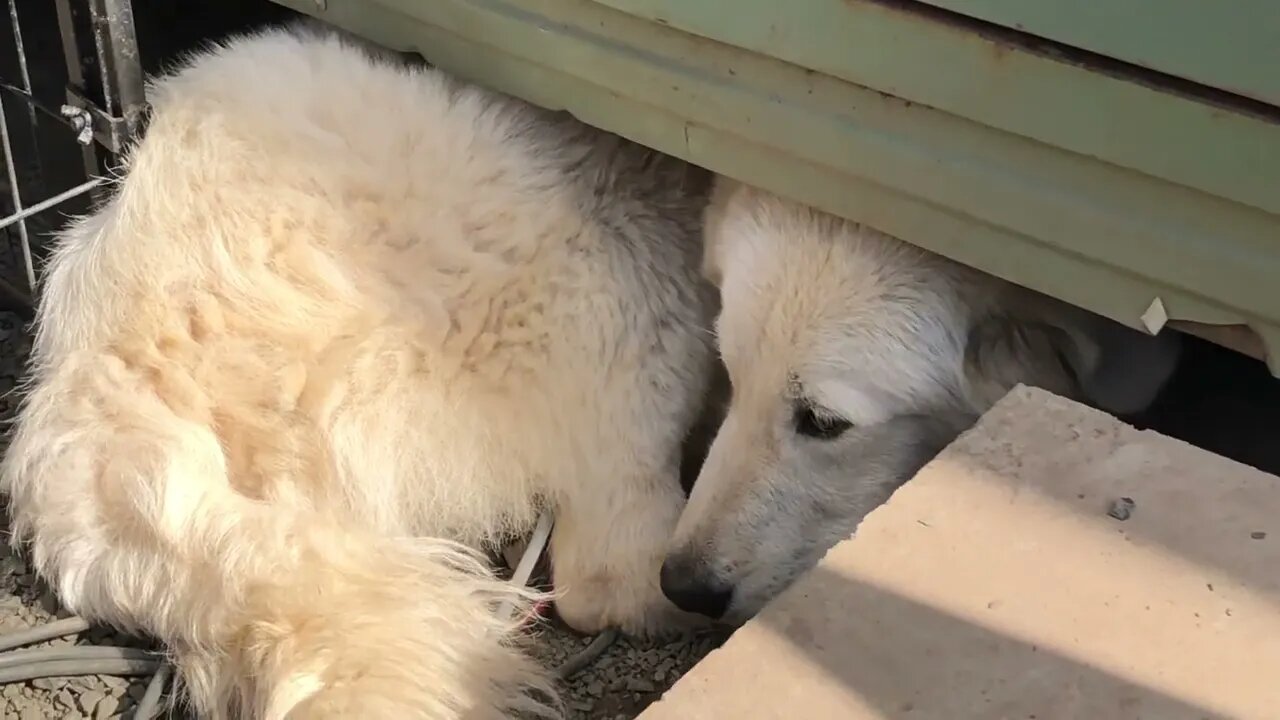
[(854, 358)]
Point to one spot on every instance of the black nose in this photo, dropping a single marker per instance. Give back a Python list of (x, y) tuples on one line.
[(692, 590)]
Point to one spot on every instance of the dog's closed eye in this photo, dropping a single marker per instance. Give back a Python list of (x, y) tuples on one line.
[(818, 423)]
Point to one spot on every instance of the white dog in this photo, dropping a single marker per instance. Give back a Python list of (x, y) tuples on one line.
[(342, 318), (854, 358)]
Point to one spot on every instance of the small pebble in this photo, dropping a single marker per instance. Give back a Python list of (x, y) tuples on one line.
[(1258, 535), (640, 685), (90, 700), (1122, 509), (49, 602), (106, 708), (50, 683)]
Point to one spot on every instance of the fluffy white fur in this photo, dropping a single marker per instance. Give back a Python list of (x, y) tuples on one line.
[(342, 322), (854, 358)]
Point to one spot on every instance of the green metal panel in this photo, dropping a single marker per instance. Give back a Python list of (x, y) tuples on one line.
[(1233, 46), (1099, 235), (986, 80)]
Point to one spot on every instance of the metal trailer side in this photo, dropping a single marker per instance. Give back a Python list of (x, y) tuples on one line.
[(1133, 188)]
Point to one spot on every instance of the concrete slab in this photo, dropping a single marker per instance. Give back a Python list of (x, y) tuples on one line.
[(995, 585)]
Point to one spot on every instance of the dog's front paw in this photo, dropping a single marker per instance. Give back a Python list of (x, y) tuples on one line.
[(593, 601)]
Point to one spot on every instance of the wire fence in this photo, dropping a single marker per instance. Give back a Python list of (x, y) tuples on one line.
[(71, 96)]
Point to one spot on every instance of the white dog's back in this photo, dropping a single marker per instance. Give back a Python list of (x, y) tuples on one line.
[(337, 303)]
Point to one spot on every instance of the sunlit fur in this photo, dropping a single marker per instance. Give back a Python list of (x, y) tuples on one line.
[(342, 322), (907, 346)]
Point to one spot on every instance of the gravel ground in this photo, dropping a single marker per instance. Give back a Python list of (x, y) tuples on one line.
[(25, 602), (627, 677), (616, 686)]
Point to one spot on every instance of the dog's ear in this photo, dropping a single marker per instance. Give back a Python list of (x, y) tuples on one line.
[(1070, 352), (1003, 351), (1130, 367)]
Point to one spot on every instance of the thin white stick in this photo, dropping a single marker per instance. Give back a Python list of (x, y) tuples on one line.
[(524, 569)]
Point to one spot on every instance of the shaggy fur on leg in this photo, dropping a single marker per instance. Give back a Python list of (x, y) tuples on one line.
[(344, 322)]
